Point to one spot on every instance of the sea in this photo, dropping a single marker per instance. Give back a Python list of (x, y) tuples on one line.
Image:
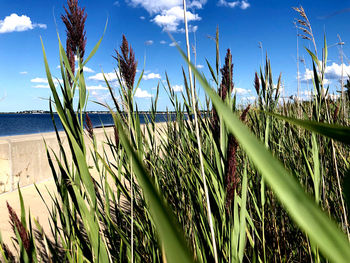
[(18, 124)]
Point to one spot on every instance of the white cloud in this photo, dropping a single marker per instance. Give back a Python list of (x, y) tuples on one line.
[(173, 44), (307, 94), (16, 23), (334, 71), (241, 4), (116, 3), (308, 75), (170, 19), (87, 69), (99, 87), (244, 5), (153, 6), (241, 91), (151, 76), (45, 81), (42, 26), (250, 98), (193, 28), (168, 14), (197, 4), (41, 86), (111, 76), (177, 88), (23, 73), (200, 66), (101, 97), (39, 80), (163, 42), (142, 94), (149, 42), (142, 17)]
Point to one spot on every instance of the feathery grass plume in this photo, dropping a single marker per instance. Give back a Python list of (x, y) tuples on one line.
[(71, 58), (215, 123), (336, 114), (88, 126), (8, 254), (116, 136), (126, 63), (257, 83), (17, 224), (305, 26), (227, 73), (231, 165), (225, 89), (74, 19)]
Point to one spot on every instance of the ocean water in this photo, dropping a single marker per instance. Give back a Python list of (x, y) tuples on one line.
[(16, 124)]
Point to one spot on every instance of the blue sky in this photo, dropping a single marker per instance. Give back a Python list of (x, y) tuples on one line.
[(145, 23)]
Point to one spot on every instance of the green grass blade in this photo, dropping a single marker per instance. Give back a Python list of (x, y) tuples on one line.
[(333, 131)]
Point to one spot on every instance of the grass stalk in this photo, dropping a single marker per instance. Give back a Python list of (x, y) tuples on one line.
[(194, 106)]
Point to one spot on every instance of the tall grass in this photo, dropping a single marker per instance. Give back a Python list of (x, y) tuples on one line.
[(274, 182)]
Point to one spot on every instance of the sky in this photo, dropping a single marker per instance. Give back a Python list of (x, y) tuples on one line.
[(243, 24)]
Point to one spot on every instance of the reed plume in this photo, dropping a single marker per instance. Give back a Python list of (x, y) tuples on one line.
[(116, 136), (257, 83), (88, 126), (305, 26), (74, 20), (231, 164), (126, 63), (17, 224), (227, 73), (8, 254), (225, 90), (336, 114)]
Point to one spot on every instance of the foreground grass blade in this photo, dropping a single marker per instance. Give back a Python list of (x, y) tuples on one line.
[(333, 131), (167, 227), (310, 218)]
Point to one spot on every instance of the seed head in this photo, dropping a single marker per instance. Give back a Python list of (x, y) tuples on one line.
[(116, 136), (126, 63), (227, 73), (257, 83), (231, 165), (74, 19), (88, 126), (336, 113), (225, 89), (17, 224)]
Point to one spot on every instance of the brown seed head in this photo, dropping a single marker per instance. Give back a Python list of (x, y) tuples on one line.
[(71, 58), (336, 113), (88, 126), (231, 165), (17, 224), (74, 19), (257, 83), (116, 136), (127, 63), (227, 73), (8, 254)]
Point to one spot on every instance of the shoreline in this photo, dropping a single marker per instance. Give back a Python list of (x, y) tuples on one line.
[(23, 158)]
